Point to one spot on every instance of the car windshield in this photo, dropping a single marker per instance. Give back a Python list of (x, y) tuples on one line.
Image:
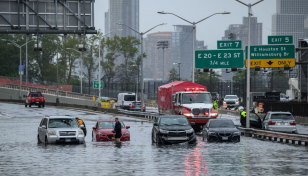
[(109, 124), (221, 124), (189, 98), (62, 123), (129, 98), (282, 116), (174, 121), (35, 95), (231, 97)]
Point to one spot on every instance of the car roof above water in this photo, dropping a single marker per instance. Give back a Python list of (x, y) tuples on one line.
[(279, 112), (60, 117)]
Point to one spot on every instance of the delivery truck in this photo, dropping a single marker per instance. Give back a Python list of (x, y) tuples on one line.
[(189, 99)]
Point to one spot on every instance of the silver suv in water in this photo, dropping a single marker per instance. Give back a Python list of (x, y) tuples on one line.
[(60, 129)]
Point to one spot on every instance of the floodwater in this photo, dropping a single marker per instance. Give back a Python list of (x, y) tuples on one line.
[(21, 155)]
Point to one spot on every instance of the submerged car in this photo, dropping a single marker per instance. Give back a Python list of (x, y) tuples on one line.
[(220, 130), (279, 121), (60, 129), (102, 131), (172, 129), (136, 106)]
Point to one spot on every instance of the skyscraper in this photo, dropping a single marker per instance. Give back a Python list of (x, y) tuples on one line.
[(182, 49), (241, 33), (289, 18), (122, 11)]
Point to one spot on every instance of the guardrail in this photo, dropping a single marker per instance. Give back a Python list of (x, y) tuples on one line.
[(274, 136), (49, 91), (149, 115)]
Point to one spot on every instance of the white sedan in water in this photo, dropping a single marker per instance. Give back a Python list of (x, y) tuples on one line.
[(279, 121)]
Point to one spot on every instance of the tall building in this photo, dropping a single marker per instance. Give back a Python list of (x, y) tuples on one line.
[(289, 19), (155, 63), (125, 12), (182, 49), (241, 33)]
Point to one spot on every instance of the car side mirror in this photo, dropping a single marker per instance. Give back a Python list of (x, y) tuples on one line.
[(43, 126), (94, 128), (81, 126), (192, 123), (127, 127), (155, 124)]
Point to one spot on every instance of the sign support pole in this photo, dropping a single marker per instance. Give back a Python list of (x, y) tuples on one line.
[(20, 75), (248, 73)]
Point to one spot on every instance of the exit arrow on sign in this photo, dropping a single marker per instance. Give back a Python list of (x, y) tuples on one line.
[(270, 63)]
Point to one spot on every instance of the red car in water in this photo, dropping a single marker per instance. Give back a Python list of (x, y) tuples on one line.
[(35, 98), (103, 131)]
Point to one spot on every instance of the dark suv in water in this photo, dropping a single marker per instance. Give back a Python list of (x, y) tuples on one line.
[(171, 129), (220, 130)]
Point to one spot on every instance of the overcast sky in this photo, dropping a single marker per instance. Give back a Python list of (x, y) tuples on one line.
[(209, 30)]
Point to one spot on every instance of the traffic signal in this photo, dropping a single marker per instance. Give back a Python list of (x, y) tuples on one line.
[(81, 48), (257, 68), (38, 48), (234, 69), (206, 69), (286, 67), (200, 71)]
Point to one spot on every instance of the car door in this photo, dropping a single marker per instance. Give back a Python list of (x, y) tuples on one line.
[(39, 129), (155, 128), (265, 121)]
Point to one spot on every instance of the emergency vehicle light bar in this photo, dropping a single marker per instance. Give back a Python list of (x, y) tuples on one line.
[(193, 89)]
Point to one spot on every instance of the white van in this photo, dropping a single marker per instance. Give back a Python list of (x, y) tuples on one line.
[(125, 100)]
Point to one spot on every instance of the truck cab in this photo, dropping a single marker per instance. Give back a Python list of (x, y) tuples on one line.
[(197, 106)]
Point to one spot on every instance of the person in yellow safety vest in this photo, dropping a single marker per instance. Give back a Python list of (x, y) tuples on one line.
[(215, 105), (80, 122), (243, 118)]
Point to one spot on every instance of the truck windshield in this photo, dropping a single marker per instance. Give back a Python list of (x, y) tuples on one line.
[(231, 97), (189, 98), (129, 98)]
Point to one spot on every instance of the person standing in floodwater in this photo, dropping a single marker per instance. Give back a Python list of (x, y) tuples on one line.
[(118, 130)]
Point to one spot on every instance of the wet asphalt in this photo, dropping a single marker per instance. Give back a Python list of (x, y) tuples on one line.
[(21, 155)]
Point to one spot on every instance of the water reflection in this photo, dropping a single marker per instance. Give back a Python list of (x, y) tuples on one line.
[(195, 163)]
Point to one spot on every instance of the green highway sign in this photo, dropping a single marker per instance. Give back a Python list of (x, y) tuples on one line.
[(280, 39), (219, 58), (271, 52), (229, 44), (96, 83)]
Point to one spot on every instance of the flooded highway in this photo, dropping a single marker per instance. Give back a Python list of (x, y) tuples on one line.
[(21, 155)]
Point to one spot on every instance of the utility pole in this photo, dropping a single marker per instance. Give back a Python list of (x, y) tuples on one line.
[(163, 45), (179, 65), (248, 62)]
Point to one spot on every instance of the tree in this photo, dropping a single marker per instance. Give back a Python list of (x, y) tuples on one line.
[(173, 75), (88, 61)]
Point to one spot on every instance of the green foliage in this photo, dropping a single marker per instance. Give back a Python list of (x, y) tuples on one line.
[(173, 75), (206, 77)]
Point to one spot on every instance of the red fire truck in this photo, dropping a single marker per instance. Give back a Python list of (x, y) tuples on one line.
[(188, 99)]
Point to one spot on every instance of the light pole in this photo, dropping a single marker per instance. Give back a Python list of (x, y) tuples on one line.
[(20, 75), (248, 62), (179, 64), (137, 80), (81, 75), (194, 31), (141, 34), (163, 45)]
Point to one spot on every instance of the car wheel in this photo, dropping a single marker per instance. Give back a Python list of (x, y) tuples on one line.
[(239, 140), (39, 105), (43, 105), (46, 140), (38, 139), (208, 139), (158, 141), (193, 142), (29, 105), (153, 139), (25, 105)]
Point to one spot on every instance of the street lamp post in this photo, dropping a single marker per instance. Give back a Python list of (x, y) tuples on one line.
[(137, 81), (179, 65), (194, 31), (248, 61), (141, 34), (20, 75), (81, 75), (163, 45)]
